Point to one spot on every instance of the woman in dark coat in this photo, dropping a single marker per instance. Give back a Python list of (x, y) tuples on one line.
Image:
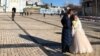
[(66, 31)]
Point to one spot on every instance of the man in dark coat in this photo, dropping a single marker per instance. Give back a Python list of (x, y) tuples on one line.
[(13, 13), (66, 31)]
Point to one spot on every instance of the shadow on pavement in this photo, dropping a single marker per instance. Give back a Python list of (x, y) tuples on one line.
[(40, 41), (90, 36), (58, 32), (18, 45), (96, 30), (94, 42), (44, 22), (53, 48)]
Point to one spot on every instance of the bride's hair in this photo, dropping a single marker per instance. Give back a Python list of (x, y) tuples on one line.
[(72, 18)]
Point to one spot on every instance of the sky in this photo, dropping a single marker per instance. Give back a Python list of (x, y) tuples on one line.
[(61, 2)]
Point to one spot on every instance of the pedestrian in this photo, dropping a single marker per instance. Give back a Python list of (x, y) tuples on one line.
[(44, 14), (66, 31), (58, 12), (51, 14), (62, 13), (13, 13), (27, 13)]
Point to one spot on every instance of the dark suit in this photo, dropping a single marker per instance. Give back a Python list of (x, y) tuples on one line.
[(66, 33)]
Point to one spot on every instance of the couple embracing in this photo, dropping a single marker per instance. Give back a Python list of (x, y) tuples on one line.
[(74, 39)]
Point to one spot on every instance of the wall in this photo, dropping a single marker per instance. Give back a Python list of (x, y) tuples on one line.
[(18, 4)]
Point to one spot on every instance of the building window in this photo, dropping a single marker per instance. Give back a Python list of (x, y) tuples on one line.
[(89, 4)]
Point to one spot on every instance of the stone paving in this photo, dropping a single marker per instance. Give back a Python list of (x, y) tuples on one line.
[(38, 36), (92, 30), (12, 42)]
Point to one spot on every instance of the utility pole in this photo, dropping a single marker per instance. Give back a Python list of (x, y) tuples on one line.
[(83, 7), (5, 5)]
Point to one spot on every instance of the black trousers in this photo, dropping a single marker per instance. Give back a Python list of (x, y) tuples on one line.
[(66, 40), (65, 47), (13, 16)]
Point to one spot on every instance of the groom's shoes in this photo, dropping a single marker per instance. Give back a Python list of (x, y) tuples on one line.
[(65, 49)]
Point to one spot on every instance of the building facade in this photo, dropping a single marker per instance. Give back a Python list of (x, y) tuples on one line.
[(7, 5), (91, 7)]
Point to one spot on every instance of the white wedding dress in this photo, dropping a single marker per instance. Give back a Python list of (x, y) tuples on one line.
[(80, 43)]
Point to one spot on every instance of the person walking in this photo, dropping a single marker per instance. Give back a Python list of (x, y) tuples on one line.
[(62, 13), (13, 13), (44, 15), (66, 31)]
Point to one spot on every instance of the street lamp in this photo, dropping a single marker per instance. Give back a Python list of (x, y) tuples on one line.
[(5, 5)]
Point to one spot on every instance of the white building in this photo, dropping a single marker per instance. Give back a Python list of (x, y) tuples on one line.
[(7, 5), (51, 10)]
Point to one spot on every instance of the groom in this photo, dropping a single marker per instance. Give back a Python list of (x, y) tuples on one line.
[(66, 31)]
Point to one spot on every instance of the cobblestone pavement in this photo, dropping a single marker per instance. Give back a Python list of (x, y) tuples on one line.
[(38, 36), (12, 42), (91, 28)]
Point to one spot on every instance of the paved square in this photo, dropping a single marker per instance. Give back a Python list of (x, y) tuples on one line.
[(38, 36)]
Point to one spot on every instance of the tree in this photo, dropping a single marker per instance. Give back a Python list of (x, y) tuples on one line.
[(46, 6), (75, 7)]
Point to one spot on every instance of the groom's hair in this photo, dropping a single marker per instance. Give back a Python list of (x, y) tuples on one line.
[(69, 11)]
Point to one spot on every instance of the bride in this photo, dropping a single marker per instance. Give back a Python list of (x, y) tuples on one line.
[(80, 42)]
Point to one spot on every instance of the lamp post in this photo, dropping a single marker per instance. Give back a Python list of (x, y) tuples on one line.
[(5, 5), (83, 5)]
